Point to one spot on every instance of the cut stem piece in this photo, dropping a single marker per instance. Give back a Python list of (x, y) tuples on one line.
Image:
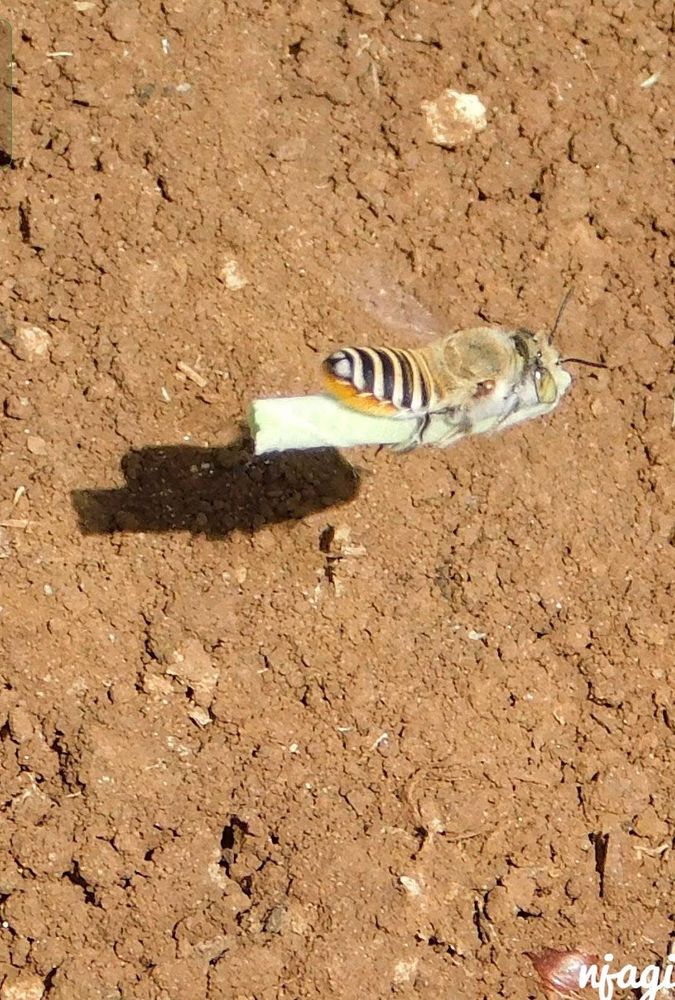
[(319, 421)]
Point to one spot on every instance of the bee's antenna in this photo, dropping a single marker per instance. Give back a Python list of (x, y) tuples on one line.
[(566, 361), (582, 361), (561, 310)]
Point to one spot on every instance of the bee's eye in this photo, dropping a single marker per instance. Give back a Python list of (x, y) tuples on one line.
[(547, 391)]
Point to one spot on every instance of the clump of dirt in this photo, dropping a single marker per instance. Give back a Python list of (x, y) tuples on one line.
[(329, 726)]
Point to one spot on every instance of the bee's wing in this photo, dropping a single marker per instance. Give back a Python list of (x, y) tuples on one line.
[(376, 291)]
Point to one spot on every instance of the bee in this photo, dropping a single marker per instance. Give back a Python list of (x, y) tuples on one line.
[(475, 380)]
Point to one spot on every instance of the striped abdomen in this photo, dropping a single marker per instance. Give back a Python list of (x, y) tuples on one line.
[(380, 380)]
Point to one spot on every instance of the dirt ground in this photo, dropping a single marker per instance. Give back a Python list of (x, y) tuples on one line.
[(330, 726)]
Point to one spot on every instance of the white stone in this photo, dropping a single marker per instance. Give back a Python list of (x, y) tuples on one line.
[(26, 987), (454, 118), (29, 343), (410, 885), (405, 971), (232, 276)]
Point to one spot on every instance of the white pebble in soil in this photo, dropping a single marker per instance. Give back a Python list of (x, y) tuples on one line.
[(454, 118), (27, 342)]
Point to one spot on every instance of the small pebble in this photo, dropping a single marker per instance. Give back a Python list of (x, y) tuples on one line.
[(405, 971), (199, 716), (28, 343), (411, 885), (5, 544), (275, 920), (27, 986), (20, 724), (36, 445), (454, 118), (649, 824), (17, 407), (232, 276), (159, 687)]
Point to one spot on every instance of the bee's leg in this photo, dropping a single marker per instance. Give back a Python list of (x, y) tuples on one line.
[(513, 407), (416, 438), (450, 438), (460, 427), (463, 425)]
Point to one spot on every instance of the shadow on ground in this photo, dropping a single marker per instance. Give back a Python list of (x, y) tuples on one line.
[(215, 491)]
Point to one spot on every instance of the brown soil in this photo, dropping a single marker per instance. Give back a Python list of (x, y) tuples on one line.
[(242, 700)]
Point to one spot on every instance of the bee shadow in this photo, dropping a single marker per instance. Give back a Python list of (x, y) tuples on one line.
[(214, 491)]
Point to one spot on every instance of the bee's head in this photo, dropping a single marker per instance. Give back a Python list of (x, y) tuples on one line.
[(539, 361), (542, 362)]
